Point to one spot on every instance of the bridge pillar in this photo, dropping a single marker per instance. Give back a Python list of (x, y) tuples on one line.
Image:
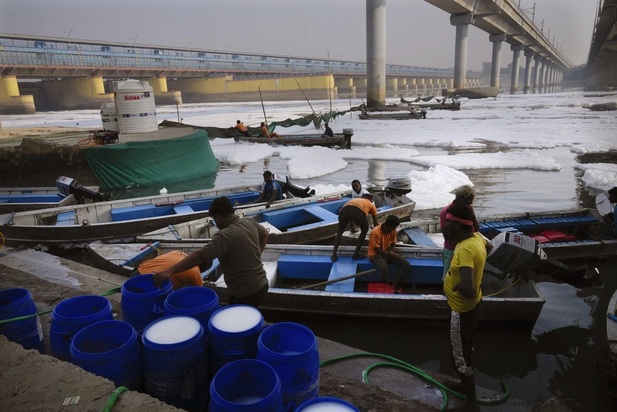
[(422, 86), (376, 52), (77, 93), (161, 94), (10, 100), (345, 86), (497, 40), (528, 69), (541, 76), (403, 86), (392, 86), (516, 59), (536, 72), (414, 86), (462, 22)]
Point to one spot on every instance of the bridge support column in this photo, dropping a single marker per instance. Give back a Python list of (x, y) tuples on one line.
[(345, 86), (528, 68), (516, 59), (376, 52), (78, 93), (161, 94), (541, 77), (536, 72), (462, 22), (392, 86), (403, 86), (10, 100), (422, 87), (414, 86), (497, 40)]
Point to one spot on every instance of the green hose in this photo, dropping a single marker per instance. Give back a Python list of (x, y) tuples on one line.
[(399, 364), (114, 396)]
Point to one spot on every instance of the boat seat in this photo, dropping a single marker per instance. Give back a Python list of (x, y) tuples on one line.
[(321, 213), (427, 271), (271, 228), (183, 209), (344, 266), (138, 212), (419, 237), (66, 218), (304, 267)]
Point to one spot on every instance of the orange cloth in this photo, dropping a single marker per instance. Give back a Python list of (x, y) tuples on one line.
[(241, 127), (365, 205), (191, 277), (380, 240)]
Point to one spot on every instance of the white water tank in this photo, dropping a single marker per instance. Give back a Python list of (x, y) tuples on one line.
[(109, 116), (135, 106)]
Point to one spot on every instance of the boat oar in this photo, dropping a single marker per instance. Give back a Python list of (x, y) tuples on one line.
[(329, 282)]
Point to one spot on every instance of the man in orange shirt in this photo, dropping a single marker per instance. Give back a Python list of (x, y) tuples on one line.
[(242, 128), (189, 277), (357, 211), (381, 251)]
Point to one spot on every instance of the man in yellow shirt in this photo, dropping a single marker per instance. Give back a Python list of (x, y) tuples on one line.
[(357, 211), (381, 251), (464, 294)]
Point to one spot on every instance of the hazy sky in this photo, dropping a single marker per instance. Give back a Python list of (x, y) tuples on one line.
[(418, 33)]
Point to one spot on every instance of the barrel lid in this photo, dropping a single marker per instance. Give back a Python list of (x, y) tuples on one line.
[(171, 330), (236, 318)]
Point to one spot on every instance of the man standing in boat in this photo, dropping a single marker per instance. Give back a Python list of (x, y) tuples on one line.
[(464, 294), (242, 128), (238, 246), (381, 251), (272, 191), (357, 211)]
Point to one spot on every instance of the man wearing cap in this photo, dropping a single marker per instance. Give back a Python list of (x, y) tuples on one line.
[(357, 211)]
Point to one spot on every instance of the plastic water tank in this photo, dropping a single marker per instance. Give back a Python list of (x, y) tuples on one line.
[(109, 116), (135, 106)]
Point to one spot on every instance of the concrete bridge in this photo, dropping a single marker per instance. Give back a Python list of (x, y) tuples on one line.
[(74, 71), (602, 61)]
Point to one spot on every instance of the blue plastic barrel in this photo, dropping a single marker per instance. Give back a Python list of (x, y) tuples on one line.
[(232, 335), (28, 333), (142, 302), (246, 385), (174, 362), (291, 349), (195, 301), (326, 404), (109, 349), (72, 315)]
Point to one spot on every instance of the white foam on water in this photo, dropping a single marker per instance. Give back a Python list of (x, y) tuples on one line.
[(327, 406), (236, 319), (168, 331)]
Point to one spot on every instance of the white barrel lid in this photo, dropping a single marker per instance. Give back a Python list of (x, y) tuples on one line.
[(327, 406), (233, 319), (171, 330)]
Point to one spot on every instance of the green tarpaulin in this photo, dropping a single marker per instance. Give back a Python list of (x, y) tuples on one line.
[(155, 162)]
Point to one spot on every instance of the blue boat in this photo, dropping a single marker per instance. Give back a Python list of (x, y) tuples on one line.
[(302, 279)]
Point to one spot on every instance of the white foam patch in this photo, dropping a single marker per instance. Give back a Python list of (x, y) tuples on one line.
[(233, 319), (168, 331)]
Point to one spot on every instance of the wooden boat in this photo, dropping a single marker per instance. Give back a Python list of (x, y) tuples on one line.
[(309, 222), (433, 103), (123, 218), (303, 279), (404, 115), (340, 140), (68, 191)]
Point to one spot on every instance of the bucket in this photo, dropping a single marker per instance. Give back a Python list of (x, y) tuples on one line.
[(174, 362), (291, 349), (72, 315), (27, 332), (246, 385), (328, 404), (195, 301), (142, 302), (232, 335), (109, 349)]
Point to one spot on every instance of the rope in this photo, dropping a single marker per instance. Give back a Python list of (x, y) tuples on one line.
[(504, 289), (399, 364), (113, 397), (2, 240)]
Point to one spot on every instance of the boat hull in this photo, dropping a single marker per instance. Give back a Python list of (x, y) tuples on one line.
[(339, 140)]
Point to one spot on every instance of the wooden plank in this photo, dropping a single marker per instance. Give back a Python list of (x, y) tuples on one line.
[(419, 237), (344, 266)]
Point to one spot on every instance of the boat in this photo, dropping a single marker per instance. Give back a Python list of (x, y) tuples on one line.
[(340, 140), (608, 364), (127, 218), (68, 191), (402, 115), (433, 103), (308, 222), (302, 279)]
